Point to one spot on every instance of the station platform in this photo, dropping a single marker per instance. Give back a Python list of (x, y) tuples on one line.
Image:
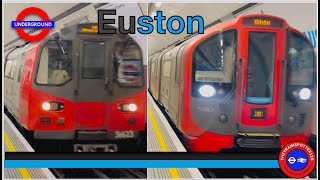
[(162, 138), (15, 142)]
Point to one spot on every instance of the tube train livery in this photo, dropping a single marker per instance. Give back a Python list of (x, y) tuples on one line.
[(249, 82), (78, 84)]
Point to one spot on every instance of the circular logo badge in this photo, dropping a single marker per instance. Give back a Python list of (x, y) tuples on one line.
[(37, 11), (297, 159)]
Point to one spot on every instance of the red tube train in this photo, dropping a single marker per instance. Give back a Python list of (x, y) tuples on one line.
[(77, 84), (249, 82)]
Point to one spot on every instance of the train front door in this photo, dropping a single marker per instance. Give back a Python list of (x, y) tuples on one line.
[(91, 86), (263, 53)]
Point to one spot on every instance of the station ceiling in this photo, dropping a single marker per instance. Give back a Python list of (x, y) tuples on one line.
[(209, 11), (63, 12)]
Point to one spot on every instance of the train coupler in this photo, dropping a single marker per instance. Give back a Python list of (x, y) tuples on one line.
[(95, 148)]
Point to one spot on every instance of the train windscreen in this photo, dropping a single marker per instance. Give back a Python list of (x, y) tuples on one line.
[(128, 64), (300, 61), (260, 69), (213, 64), (55, 63)]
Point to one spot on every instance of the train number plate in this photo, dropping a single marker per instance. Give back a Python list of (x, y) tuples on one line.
[(258, 113), (124, 134)]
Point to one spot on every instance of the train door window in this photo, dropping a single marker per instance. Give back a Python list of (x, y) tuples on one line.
[(166, 68), (213, 64), (152, 67), (55, 63), (13, 71), (94, 59), (21, 66), (301, 61), (8, 68), (178, 64), (260, 70), (128, 64)]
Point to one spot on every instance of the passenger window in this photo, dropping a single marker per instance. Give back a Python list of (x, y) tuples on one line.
[(94, 58), (8, 69), (55, 63), (166, 68)]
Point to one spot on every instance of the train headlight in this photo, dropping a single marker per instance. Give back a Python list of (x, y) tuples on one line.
[(132, 107), (207, 91), (128, 107), (305, 93), (52, 106), (46, 106)]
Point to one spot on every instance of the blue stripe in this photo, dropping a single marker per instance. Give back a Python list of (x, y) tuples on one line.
[(141, 164)]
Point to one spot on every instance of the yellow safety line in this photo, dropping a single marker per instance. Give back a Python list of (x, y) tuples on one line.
[(23, 171), (172, 171)]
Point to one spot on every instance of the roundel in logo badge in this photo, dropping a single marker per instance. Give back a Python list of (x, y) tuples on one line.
[(297, 159)]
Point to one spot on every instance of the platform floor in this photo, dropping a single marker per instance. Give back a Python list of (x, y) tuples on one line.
[(162, 138), (15, 142)]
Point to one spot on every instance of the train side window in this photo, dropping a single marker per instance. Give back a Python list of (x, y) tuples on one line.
[(8, 69), (94, 60), (166, 68), (55, 64)]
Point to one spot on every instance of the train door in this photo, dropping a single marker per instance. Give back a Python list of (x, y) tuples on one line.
[(165, 79), (16, 82), (263, 51), (92, 82), (8, 83), (174, 83), (156, 83)]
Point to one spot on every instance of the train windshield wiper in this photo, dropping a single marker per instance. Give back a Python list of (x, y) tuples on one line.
[(59, 43)]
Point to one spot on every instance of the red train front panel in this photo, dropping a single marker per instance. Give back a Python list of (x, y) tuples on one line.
[(83, 83), (241, 86)]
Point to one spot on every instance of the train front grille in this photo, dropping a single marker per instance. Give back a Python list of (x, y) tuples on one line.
[(257, 142)]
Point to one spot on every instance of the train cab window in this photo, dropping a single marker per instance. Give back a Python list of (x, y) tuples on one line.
[(213, 64), (55, 63), (300, 61), (94, 58), (128, 64)]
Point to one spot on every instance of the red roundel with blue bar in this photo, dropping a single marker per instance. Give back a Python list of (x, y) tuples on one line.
[(297, 159)]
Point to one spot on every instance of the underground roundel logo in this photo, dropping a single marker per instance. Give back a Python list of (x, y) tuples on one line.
[(297, 159), (45, 24)]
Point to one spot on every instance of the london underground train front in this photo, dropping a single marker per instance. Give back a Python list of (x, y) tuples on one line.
[(88, 86), (253, 85)]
